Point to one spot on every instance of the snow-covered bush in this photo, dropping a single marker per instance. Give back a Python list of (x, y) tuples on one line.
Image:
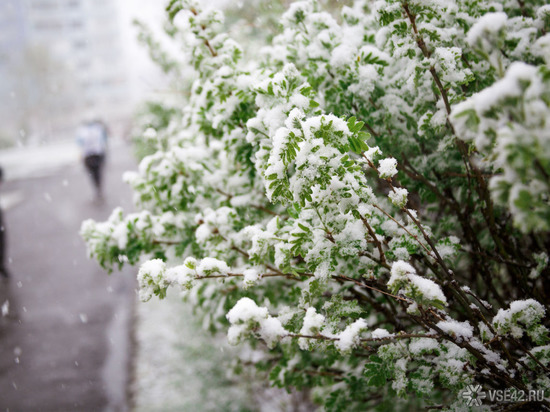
[(368, 195)]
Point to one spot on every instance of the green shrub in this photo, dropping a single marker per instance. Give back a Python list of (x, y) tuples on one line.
[(368, 195)]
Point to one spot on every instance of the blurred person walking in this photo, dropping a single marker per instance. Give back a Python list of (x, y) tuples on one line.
[(92, 140)]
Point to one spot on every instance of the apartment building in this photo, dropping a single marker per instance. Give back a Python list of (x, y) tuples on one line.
[(60, 61)]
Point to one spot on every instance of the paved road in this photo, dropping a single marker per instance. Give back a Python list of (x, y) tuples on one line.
[(65, 344)]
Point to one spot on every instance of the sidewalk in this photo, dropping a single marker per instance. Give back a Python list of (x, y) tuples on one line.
[(65, 330)]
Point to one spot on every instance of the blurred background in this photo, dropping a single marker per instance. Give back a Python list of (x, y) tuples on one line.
[(62, 60)]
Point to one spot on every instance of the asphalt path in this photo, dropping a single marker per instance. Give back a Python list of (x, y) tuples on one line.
[(65, 325)]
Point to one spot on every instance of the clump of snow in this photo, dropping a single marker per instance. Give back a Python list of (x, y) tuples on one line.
[(507, 87), (350, 337), (445, 61), (542, 47), (152, 268), (372, 152), (460, 330), (367, 77), (398, 196), (183, 275), (151, 279), (401, 253), (391, 228), (296, 11), (369, 50), (246, 315), (294, 120), (313, 322), (489, 355), (487, 24), (271, 330), (404, 278), (353, 235), (420, 345), (428, 288), (246, 310), (387, 168), (400, 270), (120, 235), (525, 312), (343, 56), (381, 334), (251, 276), (399, 383), (209, 266)]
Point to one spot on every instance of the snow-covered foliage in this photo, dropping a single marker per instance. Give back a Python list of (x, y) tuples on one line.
[(368, 195)]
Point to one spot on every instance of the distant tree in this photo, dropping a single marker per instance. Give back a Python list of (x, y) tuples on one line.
[(368, 196)]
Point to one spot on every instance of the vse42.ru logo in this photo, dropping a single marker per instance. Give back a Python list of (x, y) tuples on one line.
[(474, 395)]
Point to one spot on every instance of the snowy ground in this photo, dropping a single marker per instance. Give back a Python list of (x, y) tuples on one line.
[(36, 161), (180, 368), (64, 324), (183, 368)]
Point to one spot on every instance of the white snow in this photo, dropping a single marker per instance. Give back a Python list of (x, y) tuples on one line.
[(461, 330), (246, 310), (182, 275), (313, 322), (350, 337), (399, 270), (419, 345), (387, 167), (5, 308), (414, 284), (271, 330), (528, 312), (488, 23), (371, 152), (245, 314), (150, 277), (251, 276), (398, 196), (154, 268), (509, 86), (343, 56), (428, 288), (381, 334), (209, 266), (37, 161)]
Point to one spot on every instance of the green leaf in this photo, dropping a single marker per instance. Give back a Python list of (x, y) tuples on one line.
[(376, 372), (375, 375), (304, 228)]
